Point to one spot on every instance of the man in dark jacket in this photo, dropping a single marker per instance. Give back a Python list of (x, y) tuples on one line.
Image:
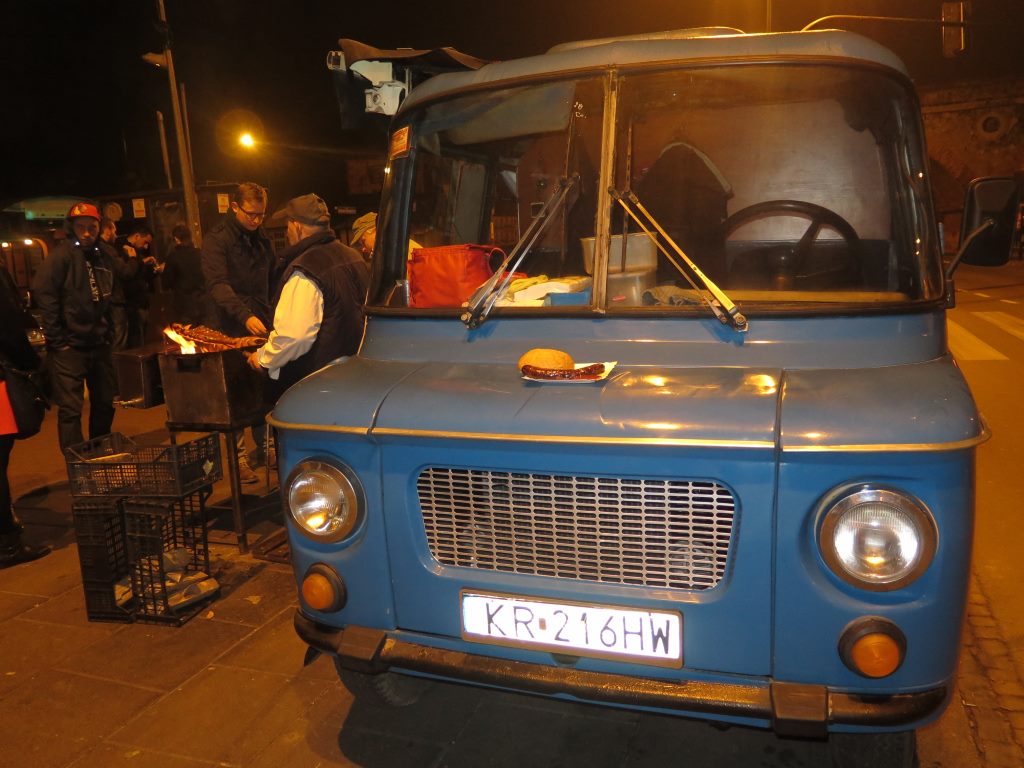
[(237, 259), (72, 291), (183, 277), (137, 291), (318, 314)]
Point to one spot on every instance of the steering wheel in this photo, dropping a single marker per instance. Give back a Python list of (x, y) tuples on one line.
[(790, 262)]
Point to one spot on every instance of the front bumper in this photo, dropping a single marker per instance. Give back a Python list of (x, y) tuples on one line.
[(793, 709)]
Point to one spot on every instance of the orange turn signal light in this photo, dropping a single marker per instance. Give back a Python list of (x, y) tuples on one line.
[(873, 647), (322, 589)]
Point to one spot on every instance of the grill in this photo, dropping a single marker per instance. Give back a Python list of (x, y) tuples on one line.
[(650, 532), (211, 390)]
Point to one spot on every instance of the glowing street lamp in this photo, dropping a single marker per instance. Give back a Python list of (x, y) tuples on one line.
[(247, 141)]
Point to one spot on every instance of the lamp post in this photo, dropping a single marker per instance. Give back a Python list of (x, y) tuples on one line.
[(166, 60)]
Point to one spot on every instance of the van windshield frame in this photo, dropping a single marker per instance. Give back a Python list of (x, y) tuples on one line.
[(824, 163)]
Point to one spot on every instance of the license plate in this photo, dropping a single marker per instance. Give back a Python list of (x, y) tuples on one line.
[(575, 629)]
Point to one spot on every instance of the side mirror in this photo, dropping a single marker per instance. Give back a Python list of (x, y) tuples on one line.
[(998, 199), (976, 235)]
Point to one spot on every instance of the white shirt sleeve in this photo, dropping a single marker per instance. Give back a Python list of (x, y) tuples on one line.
[(297, 318)]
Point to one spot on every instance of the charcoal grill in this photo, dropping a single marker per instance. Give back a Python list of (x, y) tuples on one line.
[(211, 390), (215, 392)]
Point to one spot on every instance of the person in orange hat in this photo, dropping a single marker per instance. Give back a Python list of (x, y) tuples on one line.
[(72, 290)]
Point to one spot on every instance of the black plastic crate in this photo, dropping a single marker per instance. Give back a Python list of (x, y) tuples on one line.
[(113, 465), (103, 557), (167, 538)]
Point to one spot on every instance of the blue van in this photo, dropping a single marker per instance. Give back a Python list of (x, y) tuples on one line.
[(755, 503)]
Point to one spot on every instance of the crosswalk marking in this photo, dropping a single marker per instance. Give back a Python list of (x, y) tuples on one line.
[(966, 346), (1004, 321)]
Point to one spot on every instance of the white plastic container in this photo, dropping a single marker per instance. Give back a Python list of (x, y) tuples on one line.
[(641, 254)]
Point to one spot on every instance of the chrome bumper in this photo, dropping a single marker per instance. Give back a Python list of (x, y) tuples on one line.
[(793, 709)]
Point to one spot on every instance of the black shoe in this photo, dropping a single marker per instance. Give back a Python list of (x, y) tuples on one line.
[(21, 553), (18, 528)]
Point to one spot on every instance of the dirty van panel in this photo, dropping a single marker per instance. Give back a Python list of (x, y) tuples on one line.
[(488, 519)]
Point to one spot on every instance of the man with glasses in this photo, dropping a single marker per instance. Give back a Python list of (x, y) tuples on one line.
[(237, 260), (72, 290)]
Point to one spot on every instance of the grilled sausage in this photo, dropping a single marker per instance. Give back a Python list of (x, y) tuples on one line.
[(588, 373)]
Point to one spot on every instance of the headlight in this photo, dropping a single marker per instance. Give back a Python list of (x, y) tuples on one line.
[(878, 539), (324, 500)]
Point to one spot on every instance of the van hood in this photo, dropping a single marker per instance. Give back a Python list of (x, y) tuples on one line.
[(925, 404)]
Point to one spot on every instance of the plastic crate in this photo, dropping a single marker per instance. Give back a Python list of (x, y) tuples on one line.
[(113, 465), (103, 557), (165, 536)]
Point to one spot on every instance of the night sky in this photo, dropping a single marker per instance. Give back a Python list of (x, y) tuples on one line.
[(79, 104)]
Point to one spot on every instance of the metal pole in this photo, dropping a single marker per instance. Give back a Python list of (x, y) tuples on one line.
[(163, 148), (187, 183), (188, 130), (768, 16)]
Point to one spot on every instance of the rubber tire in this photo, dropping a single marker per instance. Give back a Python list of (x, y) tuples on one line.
[(874, 750), (388, 689)]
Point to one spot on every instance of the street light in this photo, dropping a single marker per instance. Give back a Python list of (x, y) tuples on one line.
[(165, 60), (247, 141)]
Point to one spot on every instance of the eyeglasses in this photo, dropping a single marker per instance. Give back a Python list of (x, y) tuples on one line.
[(253, 215)]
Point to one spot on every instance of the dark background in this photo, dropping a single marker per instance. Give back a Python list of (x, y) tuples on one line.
[(78, 104)]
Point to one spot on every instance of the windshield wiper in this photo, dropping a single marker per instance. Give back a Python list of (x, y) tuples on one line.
[(718, 302), (483, 299)]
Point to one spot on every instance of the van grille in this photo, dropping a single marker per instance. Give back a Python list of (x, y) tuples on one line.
[(656, 533)]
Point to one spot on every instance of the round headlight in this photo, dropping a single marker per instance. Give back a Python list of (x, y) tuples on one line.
[(878, 539), (323, 500)]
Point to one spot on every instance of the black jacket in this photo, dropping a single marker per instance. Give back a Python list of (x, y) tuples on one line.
[(75, 309), (236, 267), (13, 341), (139, 287), (183, 277), (341, 275)]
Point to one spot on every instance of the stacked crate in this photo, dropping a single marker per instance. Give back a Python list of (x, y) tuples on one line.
[(140, 522)]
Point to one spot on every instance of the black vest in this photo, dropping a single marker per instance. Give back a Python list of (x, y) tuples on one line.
[(341, 275)]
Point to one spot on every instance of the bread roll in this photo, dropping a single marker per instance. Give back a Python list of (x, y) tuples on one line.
[(554, 359)]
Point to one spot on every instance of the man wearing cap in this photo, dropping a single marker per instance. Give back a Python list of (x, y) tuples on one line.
[(364, 233), (318, 313), (72, 290)]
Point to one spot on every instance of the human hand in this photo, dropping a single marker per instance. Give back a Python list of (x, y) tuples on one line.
[(253, 358), (255, 326)]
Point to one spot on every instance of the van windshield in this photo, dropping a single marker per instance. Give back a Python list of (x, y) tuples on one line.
[(791, 187)]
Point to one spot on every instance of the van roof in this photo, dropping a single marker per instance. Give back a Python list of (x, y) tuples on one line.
[(702, 44)]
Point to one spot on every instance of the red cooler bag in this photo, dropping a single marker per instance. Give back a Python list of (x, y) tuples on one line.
[(447, 275)]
